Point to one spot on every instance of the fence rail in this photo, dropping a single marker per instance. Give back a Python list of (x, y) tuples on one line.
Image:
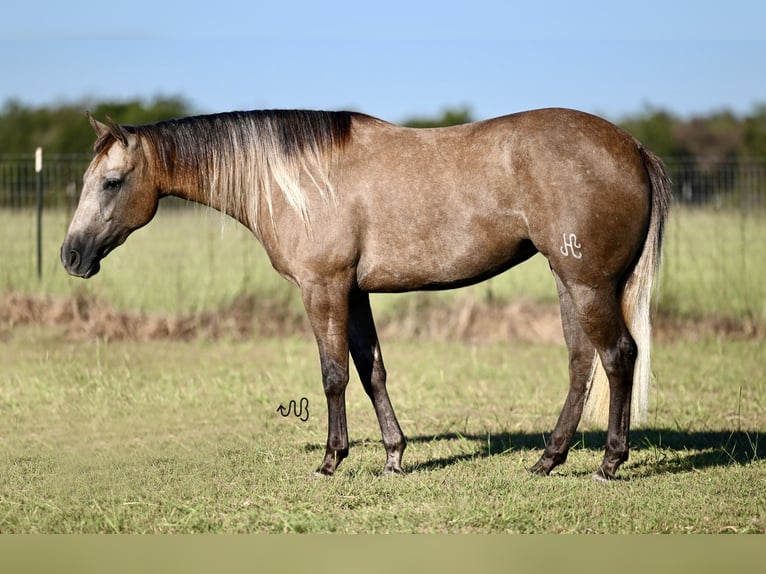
[(713, 257), (739, 184), (62, 179)]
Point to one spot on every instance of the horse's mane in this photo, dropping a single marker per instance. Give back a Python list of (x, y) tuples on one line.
[(236, 157)]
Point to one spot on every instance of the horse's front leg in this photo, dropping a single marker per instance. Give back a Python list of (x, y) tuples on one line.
[(327, 308), (365, 351)]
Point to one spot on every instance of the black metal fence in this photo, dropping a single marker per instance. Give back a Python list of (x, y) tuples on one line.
[(739, 184), (714, 253), (62, 179)]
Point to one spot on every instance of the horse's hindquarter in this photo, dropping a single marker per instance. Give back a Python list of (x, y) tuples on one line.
[(588, 193)]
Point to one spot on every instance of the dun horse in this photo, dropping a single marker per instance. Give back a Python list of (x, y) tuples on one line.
[(345, 205)]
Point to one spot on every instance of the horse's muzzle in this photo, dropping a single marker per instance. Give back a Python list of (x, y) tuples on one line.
[(79, 260)]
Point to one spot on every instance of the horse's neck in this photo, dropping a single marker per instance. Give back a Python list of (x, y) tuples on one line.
[(206, 189), (255, 199)]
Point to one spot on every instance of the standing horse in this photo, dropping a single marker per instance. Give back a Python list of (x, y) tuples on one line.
[(345, 204)]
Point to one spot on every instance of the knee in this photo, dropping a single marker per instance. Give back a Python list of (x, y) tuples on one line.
[(378, 378), (334, 379)]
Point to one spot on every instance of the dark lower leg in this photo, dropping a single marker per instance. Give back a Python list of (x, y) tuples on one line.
[(327, 308), (619, 366), (365, 351), (581, 353), (393, 438), (336, 449)]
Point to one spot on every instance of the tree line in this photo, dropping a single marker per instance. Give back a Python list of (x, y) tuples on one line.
[(717, 136), (720, 135), (64, 129)]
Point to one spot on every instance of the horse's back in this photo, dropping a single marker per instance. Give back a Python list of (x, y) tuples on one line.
[(438, 208)]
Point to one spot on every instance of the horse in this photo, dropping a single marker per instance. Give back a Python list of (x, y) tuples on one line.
[(345, 204)]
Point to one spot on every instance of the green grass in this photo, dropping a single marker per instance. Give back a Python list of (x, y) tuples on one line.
[(193, 259), (184, 261), (713, 264), (184, 437), (164, 436)]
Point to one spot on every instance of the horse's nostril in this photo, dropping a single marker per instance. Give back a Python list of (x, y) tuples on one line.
[(74, 259)]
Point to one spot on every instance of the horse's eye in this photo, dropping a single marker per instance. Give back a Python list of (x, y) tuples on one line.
[(112, 184)]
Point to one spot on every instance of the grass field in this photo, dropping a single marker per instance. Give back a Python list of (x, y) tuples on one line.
[(184, 437), (713, 264), (193, 259), (179, 436)]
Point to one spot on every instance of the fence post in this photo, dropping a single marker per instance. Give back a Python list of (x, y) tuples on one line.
[(39, 189)]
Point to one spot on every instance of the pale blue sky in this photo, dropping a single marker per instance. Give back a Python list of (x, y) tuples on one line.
[(393, 59)]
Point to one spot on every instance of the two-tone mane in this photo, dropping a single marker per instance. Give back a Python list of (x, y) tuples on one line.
[(237, 158)]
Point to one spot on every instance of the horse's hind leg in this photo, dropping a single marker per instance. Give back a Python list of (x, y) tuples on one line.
[(581, 353), (600, 316), (365, 351)]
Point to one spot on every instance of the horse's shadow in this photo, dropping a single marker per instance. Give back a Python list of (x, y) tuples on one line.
[(673, 451)]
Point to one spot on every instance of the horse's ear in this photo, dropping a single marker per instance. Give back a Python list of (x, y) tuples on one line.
[(118, 132), (100, 129)]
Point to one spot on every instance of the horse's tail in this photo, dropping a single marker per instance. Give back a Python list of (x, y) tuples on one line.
[(636, 296)]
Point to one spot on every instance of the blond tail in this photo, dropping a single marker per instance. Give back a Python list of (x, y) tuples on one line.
[(635, 306)]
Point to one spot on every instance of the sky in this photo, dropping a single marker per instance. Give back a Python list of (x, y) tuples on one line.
[(393, 59)]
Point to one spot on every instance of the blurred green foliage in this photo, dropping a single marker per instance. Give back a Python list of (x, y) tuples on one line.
[(719, 134), (64, 129), (448, 117)]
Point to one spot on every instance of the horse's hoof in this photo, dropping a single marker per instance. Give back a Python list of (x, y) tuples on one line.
[(602, 478), (395, 471), (539, 469)]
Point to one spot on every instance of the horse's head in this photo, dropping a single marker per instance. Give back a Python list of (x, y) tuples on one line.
[(117, 198)]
